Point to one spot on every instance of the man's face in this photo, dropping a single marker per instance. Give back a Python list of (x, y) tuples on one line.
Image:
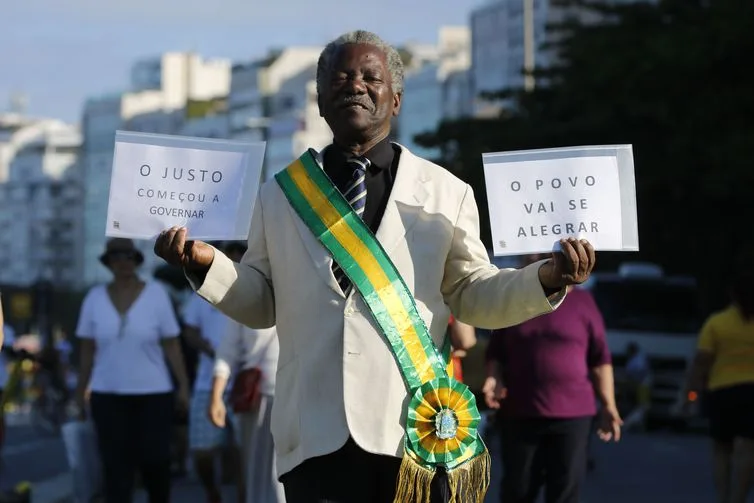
[(357, 100)]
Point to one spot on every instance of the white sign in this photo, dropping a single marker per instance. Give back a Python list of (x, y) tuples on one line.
[(159, 181), (538, 197)]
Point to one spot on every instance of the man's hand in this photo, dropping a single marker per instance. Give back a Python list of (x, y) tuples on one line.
[(570, 266), (609, 424), (171, 245), (494, 392)]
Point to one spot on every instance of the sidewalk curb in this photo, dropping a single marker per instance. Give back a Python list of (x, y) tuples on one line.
[(58, 489)]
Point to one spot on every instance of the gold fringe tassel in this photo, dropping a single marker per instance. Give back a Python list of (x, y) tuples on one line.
[(414, 482), (468, 483)]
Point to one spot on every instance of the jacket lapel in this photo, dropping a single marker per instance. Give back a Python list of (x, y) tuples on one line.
[(406, 200), (320, 256)]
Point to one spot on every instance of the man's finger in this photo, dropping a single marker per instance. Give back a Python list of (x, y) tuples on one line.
[(583, 260), (571, 256), (158, 243), (590, 253), (177, 241), (559, 259), (165, 242)]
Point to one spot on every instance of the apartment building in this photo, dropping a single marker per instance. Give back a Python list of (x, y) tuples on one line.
[(162, 92), (438, 90), (41, 203)]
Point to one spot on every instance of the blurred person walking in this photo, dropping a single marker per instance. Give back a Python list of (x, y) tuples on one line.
[(724, 366), (635, 385), (64, 349), (543, 374), (128, 331), (205, 329), (251, 356), (49, 410)]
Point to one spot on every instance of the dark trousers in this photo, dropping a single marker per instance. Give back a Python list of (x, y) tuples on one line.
[(351, 475), (134, 432), (544, 451)]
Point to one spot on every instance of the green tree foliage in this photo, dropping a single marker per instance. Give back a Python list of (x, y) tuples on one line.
[(672, 79)]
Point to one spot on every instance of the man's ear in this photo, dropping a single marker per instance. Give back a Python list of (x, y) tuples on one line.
[(397, 99)]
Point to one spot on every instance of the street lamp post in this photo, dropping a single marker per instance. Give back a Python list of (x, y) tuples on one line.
[(529, 45)]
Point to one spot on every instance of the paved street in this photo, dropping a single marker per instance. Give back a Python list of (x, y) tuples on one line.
[(656, 468), (643, 468), (27, 456)]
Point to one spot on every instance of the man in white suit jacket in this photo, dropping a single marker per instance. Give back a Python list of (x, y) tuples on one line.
[(340, 410)]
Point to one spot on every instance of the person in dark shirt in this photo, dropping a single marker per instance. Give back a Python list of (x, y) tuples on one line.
[(542, 376)]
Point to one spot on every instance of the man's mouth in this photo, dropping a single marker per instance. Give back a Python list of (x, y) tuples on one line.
[(353, 104)]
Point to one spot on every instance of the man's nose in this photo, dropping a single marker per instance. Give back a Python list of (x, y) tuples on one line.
[(356, 85)]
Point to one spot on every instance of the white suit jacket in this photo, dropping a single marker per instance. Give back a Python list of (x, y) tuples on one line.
[(336, 374)]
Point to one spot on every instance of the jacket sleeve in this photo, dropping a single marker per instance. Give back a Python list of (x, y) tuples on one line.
[(243, 291), (480, 294)]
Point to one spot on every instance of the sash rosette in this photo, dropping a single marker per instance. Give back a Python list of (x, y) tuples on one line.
[(442, 416), (442, 421)]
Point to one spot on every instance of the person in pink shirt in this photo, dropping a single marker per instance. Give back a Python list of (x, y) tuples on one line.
[(543, 375)]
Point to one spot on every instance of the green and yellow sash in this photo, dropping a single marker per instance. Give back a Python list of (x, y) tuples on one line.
[(441, 425)]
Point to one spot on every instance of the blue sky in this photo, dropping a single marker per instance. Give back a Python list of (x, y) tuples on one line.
[(59, 52)]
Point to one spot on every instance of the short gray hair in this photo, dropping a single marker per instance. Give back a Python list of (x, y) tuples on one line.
[(394, 60)]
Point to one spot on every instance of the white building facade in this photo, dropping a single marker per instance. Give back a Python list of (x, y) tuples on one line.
[(275, 100), (41, 204), (161, 91), (439, 90), (246, 105), (293, 121), (509, 39), (507, 36), (215, 125), (315, 132)]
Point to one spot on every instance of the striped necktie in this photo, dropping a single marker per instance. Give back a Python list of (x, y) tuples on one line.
[(356, 195)]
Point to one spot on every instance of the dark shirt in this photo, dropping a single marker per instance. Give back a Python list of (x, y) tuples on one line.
[(379, 177), (547, 360)]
